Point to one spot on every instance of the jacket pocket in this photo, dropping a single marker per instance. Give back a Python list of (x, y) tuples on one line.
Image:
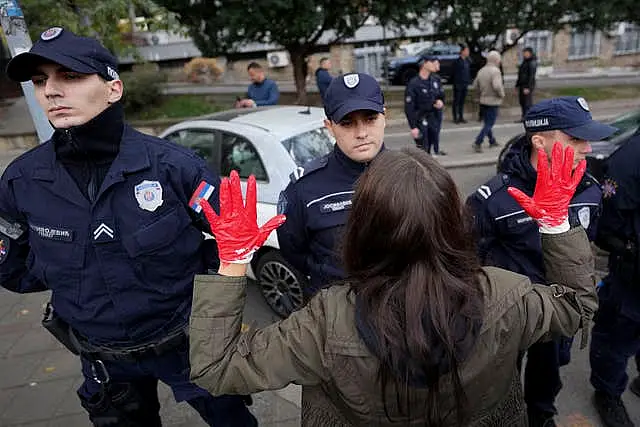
[(166, 249), (57, 258)]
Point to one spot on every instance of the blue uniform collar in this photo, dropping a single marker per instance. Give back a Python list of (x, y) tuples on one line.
[(97, 141), (105, 137), (348, 163)]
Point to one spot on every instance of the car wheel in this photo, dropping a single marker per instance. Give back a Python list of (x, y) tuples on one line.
[(280, 283), (408, 74)]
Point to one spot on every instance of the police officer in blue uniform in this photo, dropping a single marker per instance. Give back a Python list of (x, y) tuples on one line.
[(318, 198), (101, 215), (509, 239), (424, 104), (616, 333)]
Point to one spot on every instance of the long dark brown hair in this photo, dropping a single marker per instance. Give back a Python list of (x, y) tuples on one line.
[(410, 259)]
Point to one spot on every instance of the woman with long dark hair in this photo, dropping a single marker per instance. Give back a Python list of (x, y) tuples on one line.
[(418, 333)]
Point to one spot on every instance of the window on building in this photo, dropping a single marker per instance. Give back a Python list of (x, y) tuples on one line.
[(584, 45), (541, 43), (628, 41)]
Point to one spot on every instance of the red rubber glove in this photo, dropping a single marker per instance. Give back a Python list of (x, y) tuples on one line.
[(236, 229), (549, 206)]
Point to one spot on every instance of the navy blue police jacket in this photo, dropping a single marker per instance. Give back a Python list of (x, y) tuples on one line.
[(507, 237), (619, 227), (316, 203), (121, 269), (420, 95)]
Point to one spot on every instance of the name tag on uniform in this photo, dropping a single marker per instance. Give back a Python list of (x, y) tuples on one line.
[(52, 233), (335, 206)]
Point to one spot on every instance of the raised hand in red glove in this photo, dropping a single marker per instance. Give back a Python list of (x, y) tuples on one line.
[(549, 206), (236, 228)]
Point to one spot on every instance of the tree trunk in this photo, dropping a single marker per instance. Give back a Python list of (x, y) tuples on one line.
[(299, 63)]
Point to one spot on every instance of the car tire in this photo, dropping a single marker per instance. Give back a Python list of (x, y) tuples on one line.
[(407, 75), (280, 283)]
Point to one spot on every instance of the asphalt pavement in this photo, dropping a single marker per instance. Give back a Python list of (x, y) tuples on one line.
[(39, 378)]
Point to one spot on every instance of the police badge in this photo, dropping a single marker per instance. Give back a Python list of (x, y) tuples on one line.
[(351, 80), (149, 195), (51, 33), (584, 216)]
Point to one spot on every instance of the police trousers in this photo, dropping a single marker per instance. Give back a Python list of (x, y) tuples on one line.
[(134, 386), (429, 128), (542, 381), (615, 339)]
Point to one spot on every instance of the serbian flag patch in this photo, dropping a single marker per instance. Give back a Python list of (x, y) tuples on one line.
[(204, 191)]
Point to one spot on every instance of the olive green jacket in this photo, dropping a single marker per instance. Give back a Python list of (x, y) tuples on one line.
[(319, 346)]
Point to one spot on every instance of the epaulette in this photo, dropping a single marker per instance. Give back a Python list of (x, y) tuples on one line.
[(591, 178), (309, 167), (491, 187)]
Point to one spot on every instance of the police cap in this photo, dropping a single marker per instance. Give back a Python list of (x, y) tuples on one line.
[(570, 114), (80, 54), (352, 92)]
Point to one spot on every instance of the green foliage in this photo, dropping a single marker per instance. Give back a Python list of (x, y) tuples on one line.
[(300, 26), (177, 106), (99, 19), (142, 88)]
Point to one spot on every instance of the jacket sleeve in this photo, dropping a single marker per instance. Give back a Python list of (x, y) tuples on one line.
[(483, 228), (531, 81), (225, 361), (498, 85), (475, 87), (440, 95), (570, 302), (274, 96), (410, 107), (455, 71), (14, 266), (197, 174), (292, 235)]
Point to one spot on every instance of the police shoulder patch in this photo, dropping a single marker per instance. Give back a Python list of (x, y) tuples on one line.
[(609, 188), (5, 243), (308, 169), (491, 187)]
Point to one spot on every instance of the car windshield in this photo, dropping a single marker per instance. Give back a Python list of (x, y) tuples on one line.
[(626, 124), (309, 145)]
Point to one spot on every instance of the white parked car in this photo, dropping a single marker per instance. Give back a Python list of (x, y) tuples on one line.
[(270, 143)]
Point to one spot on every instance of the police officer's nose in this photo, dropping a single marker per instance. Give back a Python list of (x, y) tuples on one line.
[(52, 88), (361, 128)]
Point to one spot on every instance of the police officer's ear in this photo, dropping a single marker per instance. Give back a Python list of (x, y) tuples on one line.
[(537, 141), (116, 89), (329, 125)]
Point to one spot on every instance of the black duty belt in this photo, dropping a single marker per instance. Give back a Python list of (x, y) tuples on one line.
[(132, 354)]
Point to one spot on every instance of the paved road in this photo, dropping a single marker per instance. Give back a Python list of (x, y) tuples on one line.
[(542, 83)]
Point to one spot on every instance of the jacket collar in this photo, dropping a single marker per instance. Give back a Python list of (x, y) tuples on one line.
[(349, 164), (97, 141)]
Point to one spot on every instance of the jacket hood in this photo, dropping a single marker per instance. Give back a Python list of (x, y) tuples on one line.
[(517, 162)]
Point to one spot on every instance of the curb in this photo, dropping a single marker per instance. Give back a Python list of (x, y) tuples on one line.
[(459, 164)]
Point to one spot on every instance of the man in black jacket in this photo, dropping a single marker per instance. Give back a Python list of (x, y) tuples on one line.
[(526, 82), (461, 80)]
